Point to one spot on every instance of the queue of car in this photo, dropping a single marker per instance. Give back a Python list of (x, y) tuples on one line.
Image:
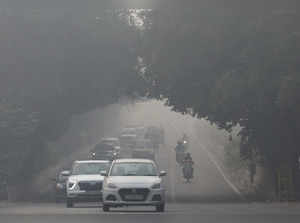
[(119, 172)]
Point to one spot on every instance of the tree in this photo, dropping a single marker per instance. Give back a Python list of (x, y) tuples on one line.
[(52, 69), (233, 64)]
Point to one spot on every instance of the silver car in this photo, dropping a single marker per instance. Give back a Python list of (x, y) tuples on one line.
[(85, 182), (133, 182)]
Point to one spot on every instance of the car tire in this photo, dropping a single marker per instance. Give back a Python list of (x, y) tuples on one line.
[(160, 208), (70, 203), (105, 208)]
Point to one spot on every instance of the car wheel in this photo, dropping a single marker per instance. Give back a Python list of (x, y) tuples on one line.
[(105, 208), (70, 203), (160, 208)]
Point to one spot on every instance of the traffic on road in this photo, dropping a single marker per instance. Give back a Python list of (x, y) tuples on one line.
[(120, 171), (134, 111)]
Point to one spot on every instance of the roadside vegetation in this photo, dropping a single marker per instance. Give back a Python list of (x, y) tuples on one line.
[(229, 62)]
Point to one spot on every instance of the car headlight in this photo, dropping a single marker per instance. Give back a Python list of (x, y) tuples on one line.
[(156, 186), (59, 186), (111, 186)]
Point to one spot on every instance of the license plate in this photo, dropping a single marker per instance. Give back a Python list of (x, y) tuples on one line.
[(135, 197)]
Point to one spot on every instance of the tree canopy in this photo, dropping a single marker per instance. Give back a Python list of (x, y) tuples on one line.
[(228, 61), (232, 63), (53, 66)]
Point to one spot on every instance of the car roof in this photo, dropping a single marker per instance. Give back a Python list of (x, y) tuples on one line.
[(109, 139), (92, 161), (133, 161), (128, 135)]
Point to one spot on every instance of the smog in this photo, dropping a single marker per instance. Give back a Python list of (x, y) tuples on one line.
[(149, 110)]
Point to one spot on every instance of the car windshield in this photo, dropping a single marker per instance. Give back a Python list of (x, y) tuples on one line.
[(112, 142), (103, 148), (129, 131), (89, 168), (133, 169)]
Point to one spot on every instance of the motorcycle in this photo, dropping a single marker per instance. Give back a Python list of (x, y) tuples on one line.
[(188, 170)]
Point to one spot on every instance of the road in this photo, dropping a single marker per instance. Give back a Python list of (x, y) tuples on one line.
[(175, 213), (209, 184)]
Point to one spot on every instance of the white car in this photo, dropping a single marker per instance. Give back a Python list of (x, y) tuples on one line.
[(133, 182), (85, 182)]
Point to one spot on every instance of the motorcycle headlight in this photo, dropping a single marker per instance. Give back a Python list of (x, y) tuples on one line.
[(111, 186), (156, 186)]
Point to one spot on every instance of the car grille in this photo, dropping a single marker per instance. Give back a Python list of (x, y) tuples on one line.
[(90, 186), (143, 192)]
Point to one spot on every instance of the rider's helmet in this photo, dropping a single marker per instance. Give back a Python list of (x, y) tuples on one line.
[(179, 142)]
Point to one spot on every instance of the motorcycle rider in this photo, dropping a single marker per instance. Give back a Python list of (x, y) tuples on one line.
[(188, 170), (179, 147), (180, 152)]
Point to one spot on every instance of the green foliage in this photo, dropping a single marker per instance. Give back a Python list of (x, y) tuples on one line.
[(233, 65), (54, 68), (232, 158)]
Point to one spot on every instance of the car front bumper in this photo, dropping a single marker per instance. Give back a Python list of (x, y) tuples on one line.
[(85, 196), (154, 197)]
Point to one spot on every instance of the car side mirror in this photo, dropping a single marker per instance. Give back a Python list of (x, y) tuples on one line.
[(162, 173), (66, 173), (104, 173)]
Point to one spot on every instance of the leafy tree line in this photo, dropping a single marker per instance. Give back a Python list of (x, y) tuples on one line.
[(232, 63), (51, 69), (229, 62)]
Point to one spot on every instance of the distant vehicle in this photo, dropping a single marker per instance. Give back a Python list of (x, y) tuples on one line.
[(137, 130), (155, 135), (143, 153), (60, 185), (85, 182), (128, 131), (111, 141), (187, 168), (128, 140), (127, 144), (102, 151), (133, 182), (144, 149), (180, 150)]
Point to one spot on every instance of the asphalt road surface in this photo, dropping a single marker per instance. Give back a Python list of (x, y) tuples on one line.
[(175, 213)]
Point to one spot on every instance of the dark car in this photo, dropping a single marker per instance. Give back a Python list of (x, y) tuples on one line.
[(60, 185), (103, 151)]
